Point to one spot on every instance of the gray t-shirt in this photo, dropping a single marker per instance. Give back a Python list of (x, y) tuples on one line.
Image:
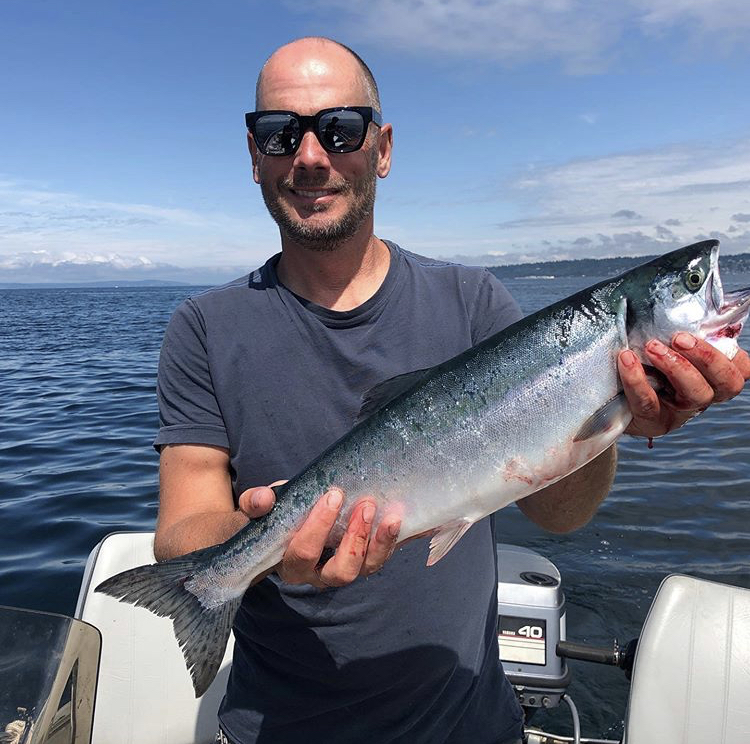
[(410, 653)]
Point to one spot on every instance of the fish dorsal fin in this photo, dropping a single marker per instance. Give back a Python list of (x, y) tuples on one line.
[(445, 538), (609, 416), (384, 392)]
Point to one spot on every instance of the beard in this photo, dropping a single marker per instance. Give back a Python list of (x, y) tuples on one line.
[(329, 235)]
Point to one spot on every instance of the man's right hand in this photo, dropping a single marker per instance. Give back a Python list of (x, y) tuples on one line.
[(197, 509), (360, 552)]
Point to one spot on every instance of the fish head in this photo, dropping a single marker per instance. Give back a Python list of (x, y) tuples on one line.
[(682, 291)]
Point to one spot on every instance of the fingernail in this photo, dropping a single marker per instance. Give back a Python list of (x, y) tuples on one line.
[(255, 500), (657, 347), (684, 340), (394, 529), (627, 358), (334, 498), (368, 514)]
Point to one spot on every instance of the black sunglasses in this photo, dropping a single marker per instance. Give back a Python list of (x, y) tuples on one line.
[(338, 130)]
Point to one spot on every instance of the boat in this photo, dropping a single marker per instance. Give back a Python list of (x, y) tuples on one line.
[(114, 674)]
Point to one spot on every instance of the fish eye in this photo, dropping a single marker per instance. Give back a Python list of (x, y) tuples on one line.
[(694, 279)]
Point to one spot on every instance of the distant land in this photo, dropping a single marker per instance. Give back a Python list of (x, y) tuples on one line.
[(29, 271), (94, 285), (584, 267), (602, 267)]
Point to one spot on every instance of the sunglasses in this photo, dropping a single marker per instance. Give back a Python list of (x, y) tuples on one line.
[(338, 130)]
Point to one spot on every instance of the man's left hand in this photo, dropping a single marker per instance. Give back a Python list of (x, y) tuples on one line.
[(699, 374)]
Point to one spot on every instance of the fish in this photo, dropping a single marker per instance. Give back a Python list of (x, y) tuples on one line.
[(446, 446)]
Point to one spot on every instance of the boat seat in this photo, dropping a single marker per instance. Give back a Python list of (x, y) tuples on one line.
[(145, 694), (691, 678)]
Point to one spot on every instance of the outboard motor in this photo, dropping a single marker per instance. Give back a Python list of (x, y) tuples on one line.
[(530, 624), (531, 633)]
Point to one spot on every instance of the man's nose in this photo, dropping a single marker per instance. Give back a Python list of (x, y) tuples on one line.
[(311, 154)]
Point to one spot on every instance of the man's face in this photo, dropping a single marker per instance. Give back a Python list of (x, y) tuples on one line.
[(319, 199)]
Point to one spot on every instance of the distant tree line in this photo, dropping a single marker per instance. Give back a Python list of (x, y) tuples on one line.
[(600, 267)]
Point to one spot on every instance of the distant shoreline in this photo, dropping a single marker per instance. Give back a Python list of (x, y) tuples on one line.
[(601, 267), (114, 284), (579, 267)]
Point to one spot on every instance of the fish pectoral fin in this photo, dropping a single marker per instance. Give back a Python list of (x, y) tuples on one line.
[(384, 392), (445, 538), (609, 416)]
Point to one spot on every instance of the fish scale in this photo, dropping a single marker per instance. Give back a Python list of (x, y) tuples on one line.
[(447, 446)]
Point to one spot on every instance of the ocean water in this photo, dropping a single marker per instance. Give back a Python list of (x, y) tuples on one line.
[(78, 415)]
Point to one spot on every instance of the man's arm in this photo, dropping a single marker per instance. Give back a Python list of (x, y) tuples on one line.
[(196, 510), (571, 502)]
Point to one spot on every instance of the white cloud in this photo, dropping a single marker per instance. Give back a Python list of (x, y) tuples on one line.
[(64, 227), (36, 259), (622, 203), (45, 267), (582, 34), (706, 15)]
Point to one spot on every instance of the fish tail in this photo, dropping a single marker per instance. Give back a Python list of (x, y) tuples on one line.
[(201, 631)]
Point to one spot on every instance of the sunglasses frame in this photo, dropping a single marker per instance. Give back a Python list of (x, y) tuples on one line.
[(307, 123)]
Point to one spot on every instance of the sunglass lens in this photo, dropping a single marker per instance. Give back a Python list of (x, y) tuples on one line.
[(341, 131), (277, 134)]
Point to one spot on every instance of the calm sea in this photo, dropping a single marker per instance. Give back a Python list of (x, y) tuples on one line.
[(78, 415)]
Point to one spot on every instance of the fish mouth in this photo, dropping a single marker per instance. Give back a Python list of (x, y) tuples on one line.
[(728, 310), (735, 307)]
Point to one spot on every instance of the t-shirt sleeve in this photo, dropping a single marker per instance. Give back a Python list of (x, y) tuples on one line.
[(188, 410), (494, 308)]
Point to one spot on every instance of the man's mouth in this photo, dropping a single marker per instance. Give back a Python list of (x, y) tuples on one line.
[(313, 194)]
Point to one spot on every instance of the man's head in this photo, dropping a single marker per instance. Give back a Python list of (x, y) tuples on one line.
[(320, 199)]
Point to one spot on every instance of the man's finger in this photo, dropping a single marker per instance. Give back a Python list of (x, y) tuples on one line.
[(382, 544), (642, 398), (720, 373), (691, 389), (256, 502), (742, 362), (347, 562), (306, 546)]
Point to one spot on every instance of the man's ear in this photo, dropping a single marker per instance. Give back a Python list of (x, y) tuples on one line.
[(385, 149)]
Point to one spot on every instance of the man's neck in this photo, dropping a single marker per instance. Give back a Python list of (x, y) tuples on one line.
[(341, 279)]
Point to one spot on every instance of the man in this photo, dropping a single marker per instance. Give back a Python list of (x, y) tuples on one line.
[(259, 376)]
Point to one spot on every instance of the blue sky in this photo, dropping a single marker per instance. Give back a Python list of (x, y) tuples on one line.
[(524, 129)]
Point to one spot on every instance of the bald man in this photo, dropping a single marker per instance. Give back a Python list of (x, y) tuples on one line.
[(259, 376)]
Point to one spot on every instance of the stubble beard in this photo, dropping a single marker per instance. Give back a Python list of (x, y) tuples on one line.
[(330, 235)]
